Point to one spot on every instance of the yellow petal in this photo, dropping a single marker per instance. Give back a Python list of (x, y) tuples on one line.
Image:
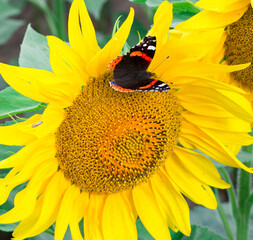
[(75, 230), (172, 203), (234, 149), (162, 21), (20, 174), (15, 134), (196, 138), (93, 217), (82, 38), (51, 119), (222, 6), (215, 39), (228, 138), (80, 207), (188, 69), (199, 166), (189, 47), (41, 85), (149, 212), (243, 101), (49, 208), (118, 220), (233, 102), (26, 224), (201, 109), (65, 212), (42, 147), (204, 82), (63, 58), (229, 124), (99, 63), (208, 19), (79, 210), (25, 200), (5, 191), (129, 197), (189, 185)]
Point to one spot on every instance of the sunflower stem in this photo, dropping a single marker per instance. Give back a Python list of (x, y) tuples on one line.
[(231, 191), (243, 215), (59, 10), (223, 216)]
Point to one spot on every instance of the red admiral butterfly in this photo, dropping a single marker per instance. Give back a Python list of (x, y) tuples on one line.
[(129, 70)]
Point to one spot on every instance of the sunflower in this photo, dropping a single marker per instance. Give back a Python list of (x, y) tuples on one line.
[(107, 157), (236, 17)]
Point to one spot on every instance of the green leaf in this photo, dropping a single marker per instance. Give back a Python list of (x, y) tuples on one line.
[(182, 11), (210, 218), (185, 7), (19, 4), (7, 206), (94, 7), (244, 156), (42, 4), (143, 234), (150, 3), (198, 233), (34, 54), (7, 151), (8, 26), (138, 1), (34, 51), (43, 236), (179, 17), (7, 227), (157, 3), (3, 84), (12, 102), (6, 10)]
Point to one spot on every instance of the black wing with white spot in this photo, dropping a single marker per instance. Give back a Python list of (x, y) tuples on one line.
[(147, 46)]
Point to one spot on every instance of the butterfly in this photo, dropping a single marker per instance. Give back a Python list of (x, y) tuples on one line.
[(130, 70)]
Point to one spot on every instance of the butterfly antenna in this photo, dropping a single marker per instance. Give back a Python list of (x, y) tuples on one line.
[(160, 64), (158, 78)]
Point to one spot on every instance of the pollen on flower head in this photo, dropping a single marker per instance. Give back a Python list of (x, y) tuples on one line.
[(239, 47), (111, 141)]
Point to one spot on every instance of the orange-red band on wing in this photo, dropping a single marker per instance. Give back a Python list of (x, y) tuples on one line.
[(140, 54), (121, 89), (149, 85), (114, 62)]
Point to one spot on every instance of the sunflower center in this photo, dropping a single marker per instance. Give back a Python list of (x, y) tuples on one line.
[(239, 47), (111, 141)]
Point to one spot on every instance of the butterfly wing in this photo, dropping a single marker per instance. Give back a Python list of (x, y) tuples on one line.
[(137, 60), (129, 70)]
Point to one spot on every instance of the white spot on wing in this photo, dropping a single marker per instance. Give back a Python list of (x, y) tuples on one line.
[(151, 48)]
